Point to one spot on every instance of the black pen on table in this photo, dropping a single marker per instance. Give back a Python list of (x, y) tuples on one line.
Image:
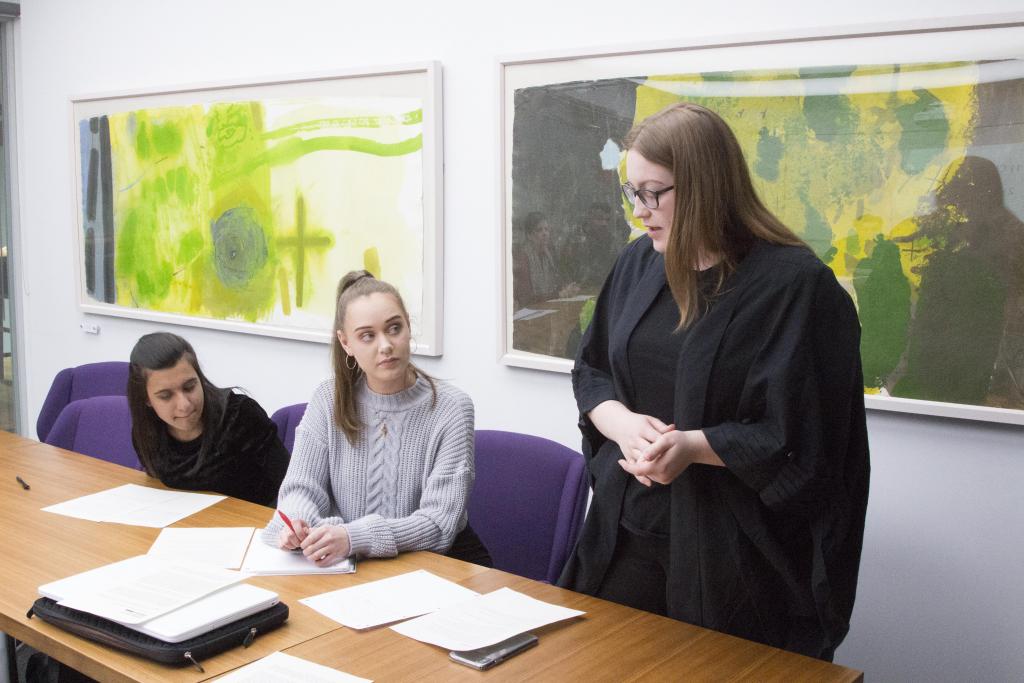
[(24, 484)]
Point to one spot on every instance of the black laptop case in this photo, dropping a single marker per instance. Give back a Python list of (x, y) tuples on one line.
[(191, 651)]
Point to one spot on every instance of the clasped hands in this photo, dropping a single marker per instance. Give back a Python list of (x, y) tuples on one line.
[(323, 545), (652, 450), (656, 453)]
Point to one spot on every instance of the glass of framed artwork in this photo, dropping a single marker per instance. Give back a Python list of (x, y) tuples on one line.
[(895, 151), (239, 206)]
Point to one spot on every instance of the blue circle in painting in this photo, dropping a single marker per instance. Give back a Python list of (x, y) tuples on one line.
[(239, 246)]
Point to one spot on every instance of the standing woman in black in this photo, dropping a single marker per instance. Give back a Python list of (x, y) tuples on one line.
[(193, 435), (721, 403)]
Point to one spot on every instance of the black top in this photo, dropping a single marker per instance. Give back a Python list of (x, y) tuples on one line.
[(653, 354), (185, 449), (245, 460), (768, 547)]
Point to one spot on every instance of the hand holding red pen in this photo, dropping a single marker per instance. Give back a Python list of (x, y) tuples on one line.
[(293, 533)]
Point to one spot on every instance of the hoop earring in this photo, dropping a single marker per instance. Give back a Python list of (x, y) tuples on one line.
[(354, 364)]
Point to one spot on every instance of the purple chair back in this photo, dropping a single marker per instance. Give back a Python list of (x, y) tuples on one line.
[(71, 384), (100, 426), (528, 502), (287, 419)]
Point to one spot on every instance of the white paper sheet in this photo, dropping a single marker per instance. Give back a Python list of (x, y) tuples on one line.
[(136, 505), (484, 620), (216, 546), (388, 600), (265, 560), (282, 668), (138, 589)]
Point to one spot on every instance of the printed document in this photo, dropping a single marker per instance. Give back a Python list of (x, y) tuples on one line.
[(136, 505), (484, 620), (138, 589), (282, 668), (216, 546), (389, 600)]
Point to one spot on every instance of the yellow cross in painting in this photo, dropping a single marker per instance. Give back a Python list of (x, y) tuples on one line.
[(301, 241)]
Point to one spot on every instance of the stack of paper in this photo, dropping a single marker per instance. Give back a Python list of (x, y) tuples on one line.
[(172, 601), (484, 620), (455, 617), (139, 588)]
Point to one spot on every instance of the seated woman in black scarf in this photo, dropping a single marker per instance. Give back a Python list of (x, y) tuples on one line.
[(193, 435)]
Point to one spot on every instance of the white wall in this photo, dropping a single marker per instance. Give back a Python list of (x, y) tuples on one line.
[(940, 593)]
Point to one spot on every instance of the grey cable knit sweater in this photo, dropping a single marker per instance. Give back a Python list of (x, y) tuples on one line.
[(403, 485)]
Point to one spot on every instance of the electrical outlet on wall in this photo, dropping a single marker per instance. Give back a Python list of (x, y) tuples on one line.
[(90, 327)]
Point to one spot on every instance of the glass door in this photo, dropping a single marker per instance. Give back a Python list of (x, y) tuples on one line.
[(9, 390)]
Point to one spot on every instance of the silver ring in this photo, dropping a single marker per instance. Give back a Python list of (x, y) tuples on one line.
[(323, 557)]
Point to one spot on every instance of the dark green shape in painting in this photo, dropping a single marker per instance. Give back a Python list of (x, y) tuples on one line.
[(924, 128), (769, 153), (957, 327), (817, 231), (883, 304), (239, 246), (831, 117)]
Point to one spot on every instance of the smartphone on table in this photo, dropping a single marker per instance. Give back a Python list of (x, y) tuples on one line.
[(486, 657)]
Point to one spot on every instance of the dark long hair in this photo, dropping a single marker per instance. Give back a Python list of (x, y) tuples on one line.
[(353, 285), (160, 351), (717, 210)]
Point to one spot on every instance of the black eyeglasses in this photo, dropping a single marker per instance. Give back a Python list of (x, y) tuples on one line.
[(648, 198)]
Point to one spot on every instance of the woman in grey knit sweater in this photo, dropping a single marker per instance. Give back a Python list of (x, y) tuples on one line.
[(383, 458)]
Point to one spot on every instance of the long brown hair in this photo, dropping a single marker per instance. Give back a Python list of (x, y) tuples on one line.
[(717, 210), (353, 285), (160, 351)]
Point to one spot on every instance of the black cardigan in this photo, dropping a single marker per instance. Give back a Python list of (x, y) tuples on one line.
[(246, 459), (768, 547)]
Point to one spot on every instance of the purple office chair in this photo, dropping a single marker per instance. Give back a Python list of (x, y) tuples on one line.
[(287, 419), (528, 502), (100, 426), (71, 384)]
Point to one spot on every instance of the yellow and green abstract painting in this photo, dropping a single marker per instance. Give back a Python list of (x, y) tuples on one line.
[(906, 179), (251, 211)]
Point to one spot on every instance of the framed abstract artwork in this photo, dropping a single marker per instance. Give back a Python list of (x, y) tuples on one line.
[(239, 206), (895, 151)]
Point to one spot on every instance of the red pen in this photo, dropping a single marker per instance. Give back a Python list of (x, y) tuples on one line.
[(289, 523)]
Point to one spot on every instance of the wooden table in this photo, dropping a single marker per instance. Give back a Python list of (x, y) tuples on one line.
[(610, 642)]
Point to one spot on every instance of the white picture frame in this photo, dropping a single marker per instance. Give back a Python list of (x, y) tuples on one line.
[(321, 127), (947, 40)]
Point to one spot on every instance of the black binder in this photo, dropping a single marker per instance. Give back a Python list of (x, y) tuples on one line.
[(191, 651)]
